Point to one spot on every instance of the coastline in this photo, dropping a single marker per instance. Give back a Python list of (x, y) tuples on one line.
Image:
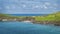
[(56, 23), (48, 19)]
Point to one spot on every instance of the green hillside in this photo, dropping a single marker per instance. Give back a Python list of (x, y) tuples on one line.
[(50, 17)]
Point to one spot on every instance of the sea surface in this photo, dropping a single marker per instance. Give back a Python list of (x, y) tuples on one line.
[(27, 28), (28, 14)]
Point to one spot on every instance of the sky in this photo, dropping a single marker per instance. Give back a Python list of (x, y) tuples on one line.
[(29, 6)]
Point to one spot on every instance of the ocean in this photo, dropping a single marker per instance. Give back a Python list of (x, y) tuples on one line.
[(27, 28), (28, 14)]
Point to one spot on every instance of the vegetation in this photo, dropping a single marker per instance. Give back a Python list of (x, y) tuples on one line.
[(50, 17)]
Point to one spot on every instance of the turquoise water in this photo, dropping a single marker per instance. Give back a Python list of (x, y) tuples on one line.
[(27, 28)]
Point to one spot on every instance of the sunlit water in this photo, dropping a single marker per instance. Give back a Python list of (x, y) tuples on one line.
[(27, 28)]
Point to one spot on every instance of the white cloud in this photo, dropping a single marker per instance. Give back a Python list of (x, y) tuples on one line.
[(55, 8), (7, 7), (41, 6), (55, 5), (47, 3), (24, 6), (13, 7), (36, 6), (45, 7)]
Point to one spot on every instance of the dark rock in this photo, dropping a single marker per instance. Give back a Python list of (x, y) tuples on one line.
[(57, 24)]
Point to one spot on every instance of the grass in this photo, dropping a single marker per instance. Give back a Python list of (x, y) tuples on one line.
[(50, 17)]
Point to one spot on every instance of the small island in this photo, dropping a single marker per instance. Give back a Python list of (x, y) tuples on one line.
[(46, 19)]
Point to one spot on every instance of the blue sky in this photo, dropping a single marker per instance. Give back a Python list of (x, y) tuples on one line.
[(29, 6)]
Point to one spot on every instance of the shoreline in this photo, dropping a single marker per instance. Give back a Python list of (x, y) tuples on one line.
[(38, 22), (46, 19)]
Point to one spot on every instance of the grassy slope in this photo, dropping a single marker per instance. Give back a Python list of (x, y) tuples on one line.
[(58, 16), (50, 17)]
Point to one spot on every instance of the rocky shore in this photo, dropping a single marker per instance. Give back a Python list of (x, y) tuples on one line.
[(56, 23), (47, 19)]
